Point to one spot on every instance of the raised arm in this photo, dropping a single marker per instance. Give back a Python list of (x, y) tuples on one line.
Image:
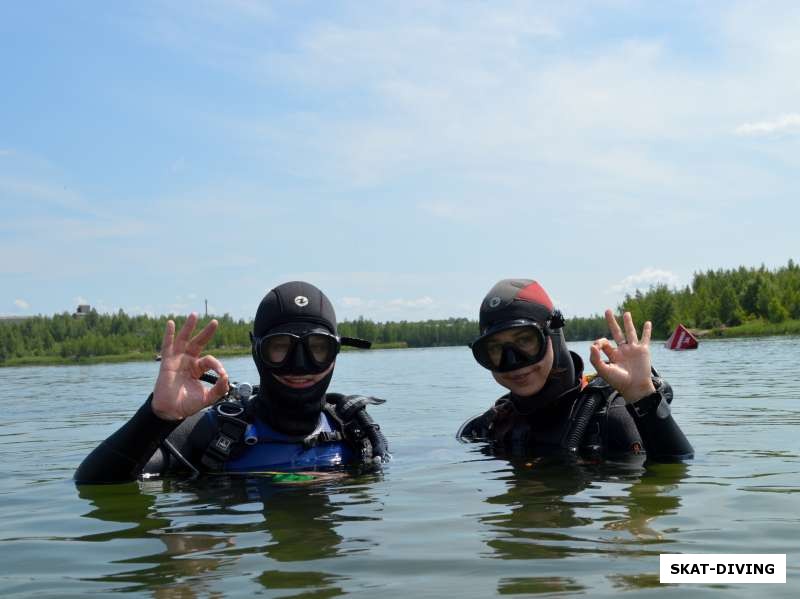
[(178, 394), (628, 370)]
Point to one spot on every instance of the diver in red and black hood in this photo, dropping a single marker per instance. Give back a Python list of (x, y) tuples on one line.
[(551, 408)]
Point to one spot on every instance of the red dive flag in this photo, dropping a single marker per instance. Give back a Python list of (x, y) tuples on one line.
[(681, 339)]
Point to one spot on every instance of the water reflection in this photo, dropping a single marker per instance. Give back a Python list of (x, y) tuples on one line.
[(557, 510), (431, 531), (174, 571), (538, 585), (207, 528)]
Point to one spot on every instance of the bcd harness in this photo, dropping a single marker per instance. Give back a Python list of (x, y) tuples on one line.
[(584, 436), (584, 433), (235, 418)]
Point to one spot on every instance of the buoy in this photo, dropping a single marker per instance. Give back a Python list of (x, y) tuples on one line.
[(681, 339)]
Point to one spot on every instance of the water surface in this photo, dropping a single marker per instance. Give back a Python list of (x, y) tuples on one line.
[(443, 520)]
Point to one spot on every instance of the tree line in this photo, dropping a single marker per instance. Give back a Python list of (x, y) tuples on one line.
[(65, 337), (94, 334), (721, 298), (715, 298)]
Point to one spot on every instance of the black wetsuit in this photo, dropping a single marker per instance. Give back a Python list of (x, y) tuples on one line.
[(148, 446), (612, 428)]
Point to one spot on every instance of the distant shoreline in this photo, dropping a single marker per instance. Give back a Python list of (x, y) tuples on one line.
[(221, 352), (750, 329), (754, 328)]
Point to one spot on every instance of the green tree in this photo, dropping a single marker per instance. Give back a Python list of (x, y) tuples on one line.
[(729, 309)]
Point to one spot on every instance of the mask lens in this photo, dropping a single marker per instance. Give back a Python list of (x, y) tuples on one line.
[(321, 347), (526, 342), (276, 348), (494, 352)]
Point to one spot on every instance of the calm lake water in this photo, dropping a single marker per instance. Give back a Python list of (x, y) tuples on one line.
[(444, 520)]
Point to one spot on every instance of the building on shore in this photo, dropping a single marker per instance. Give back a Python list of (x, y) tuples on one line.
[(82, 310)]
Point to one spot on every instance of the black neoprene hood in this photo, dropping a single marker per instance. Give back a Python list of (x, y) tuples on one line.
[(514, 299), (296, 307), (294, 302)]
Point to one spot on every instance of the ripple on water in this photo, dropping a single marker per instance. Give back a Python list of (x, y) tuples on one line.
[(443, 520)]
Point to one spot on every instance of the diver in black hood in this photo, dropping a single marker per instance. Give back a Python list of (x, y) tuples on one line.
[(294, 343), (288, 423), (551, 407)]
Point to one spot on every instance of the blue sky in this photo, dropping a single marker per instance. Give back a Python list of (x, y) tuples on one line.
[(402, 156)]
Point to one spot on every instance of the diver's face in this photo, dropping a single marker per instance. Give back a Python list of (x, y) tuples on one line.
[(303, 381), (528, 380)]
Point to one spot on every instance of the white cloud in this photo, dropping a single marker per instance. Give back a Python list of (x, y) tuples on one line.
[(352, 302), (469, 113), (71, 230), (645, 278), (143, 310), (191, 302), (787, 123), (421, 302), (45, 192), (247, 9), (492, 94), (446, 210), (103, 308), (390, 309), (383, 305), (21, 304)]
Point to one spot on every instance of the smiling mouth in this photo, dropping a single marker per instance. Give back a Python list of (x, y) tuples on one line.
[(296, 381), (518, 377), (523, 374)]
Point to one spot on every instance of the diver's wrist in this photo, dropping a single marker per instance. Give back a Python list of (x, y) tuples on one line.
[(632, 396), (160, 414), (651, 404)]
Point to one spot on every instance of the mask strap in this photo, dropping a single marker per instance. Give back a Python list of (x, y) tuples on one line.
[(556, 320), (355, 342)]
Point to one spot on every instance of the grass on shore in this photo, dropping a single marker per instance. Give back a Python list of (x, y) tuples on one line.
[(220, 352), (756, 328), (73, 360)]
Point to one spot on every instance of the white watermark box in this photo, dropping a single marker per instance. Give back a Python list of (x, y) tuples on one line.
[(723, 567)]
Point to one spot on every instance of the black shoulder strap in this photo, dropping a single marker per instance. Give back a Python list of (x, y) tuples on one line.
[(232, 422), (177, 447)]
